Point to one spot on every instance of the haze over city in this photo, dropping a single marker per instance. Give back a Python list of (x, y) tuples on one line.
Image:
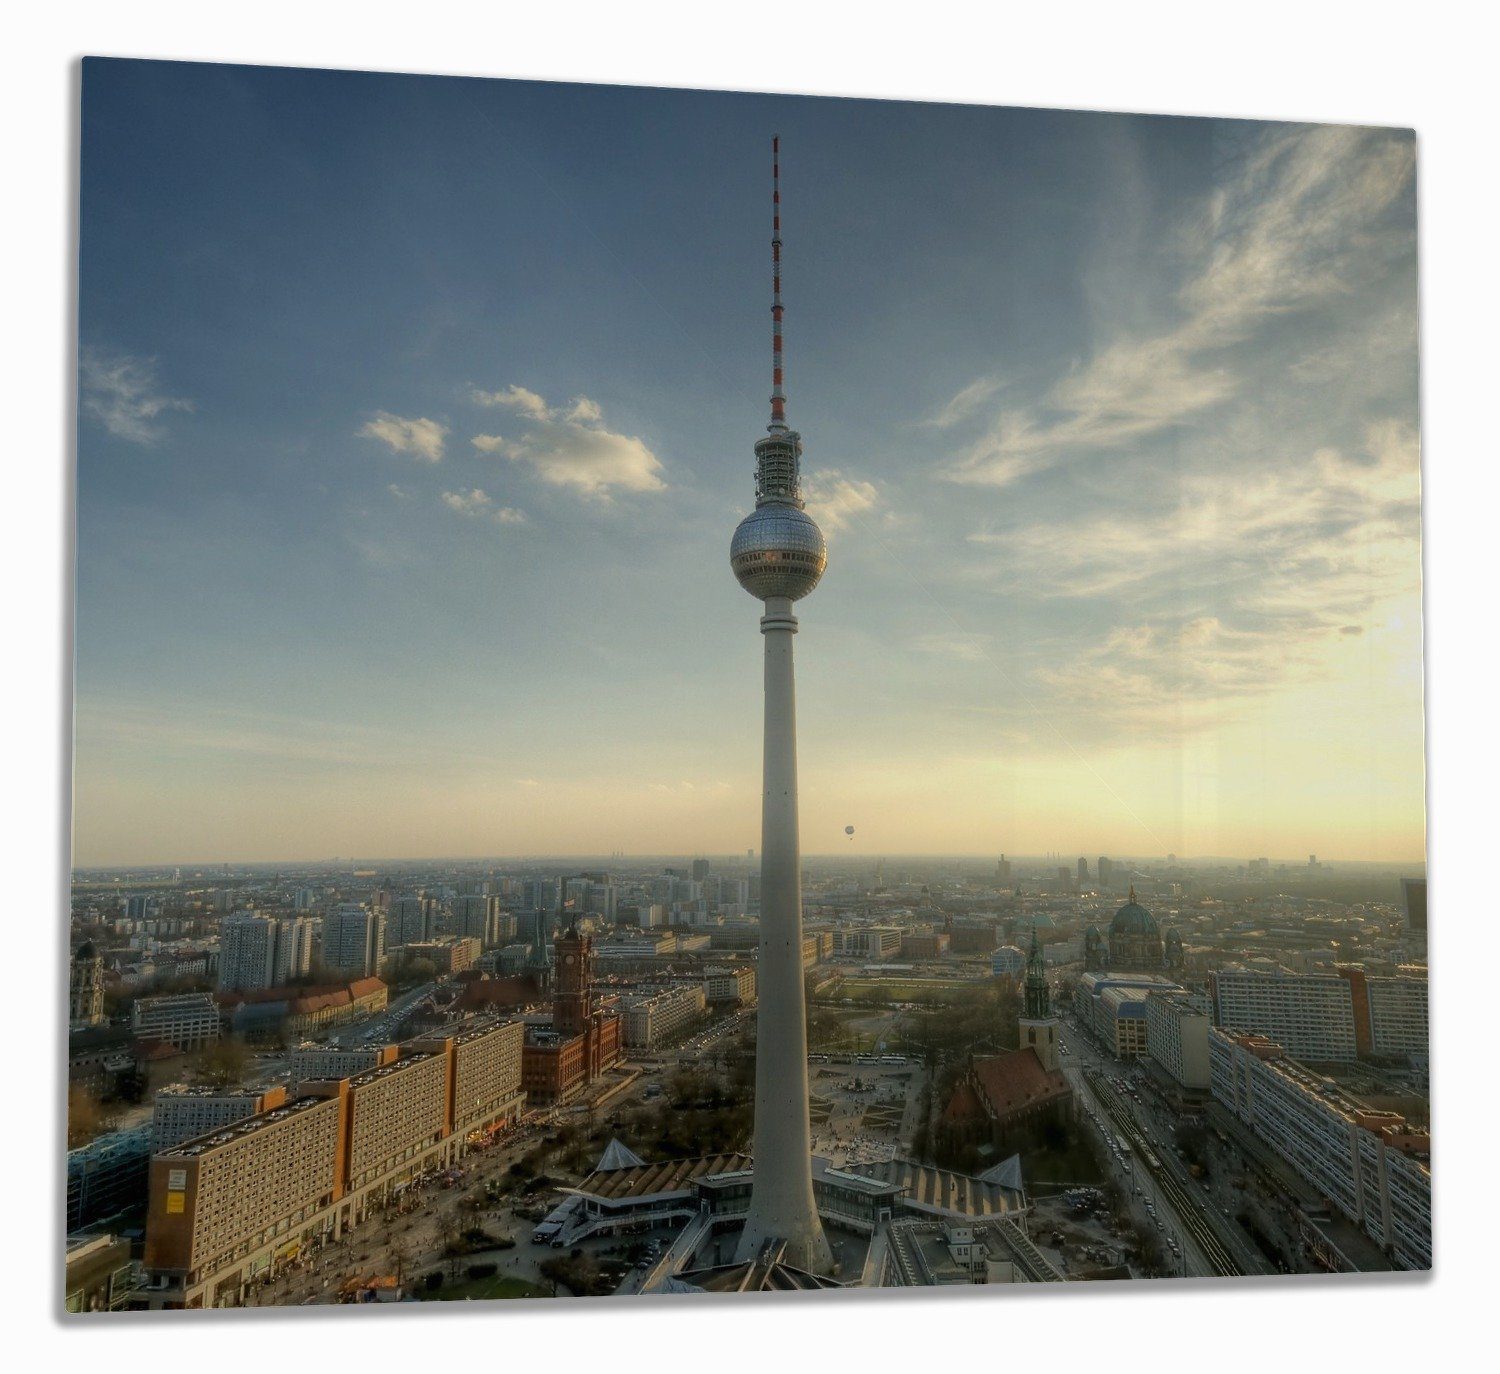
[(416, 414)]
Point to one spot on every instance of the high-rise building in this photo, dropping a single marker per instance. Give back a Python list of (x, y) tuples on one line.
[(262, 951), (1105, 868), (478, 917), (1318, 1017), (409, 921), (1083, 872), (353, 940), (1414, 899), (1003, 869), (700, 870), (778, 555)]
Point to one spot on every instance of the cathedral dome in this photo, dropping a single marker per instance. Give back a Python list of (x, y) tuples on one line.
[(1133, 919)]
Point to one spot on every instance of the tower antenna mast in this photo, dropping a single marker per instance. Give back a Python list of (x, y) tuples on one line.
[(778, 396)]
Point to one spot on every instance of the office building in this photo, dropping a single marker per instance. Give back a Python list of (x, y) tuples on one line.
[(107, 1176), (188, 1020), (1177, 1026), (1112, 1007), (732, 985)]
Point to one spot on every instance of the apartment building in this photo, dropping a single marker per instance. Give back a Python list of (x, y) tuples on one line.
[(1370, 1165), (229, 1206), (1398, 1016), (354, 940), (263, 951), (655, 1018), (311, 1062), (181, 1112), (1311, 1015)]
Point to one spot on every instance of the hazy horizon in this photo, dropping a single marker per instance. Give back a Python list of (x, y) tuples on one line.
[(416, 414)]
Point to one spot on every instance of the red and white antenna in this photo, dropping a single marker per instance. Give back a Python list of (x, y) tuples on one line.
[(778, 396)]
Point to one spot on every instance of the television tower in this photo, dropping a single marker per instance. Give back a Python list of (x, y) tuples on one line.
[(778, 554)]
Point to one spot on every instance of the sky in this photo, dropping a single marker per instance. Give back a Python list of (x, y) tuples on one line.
[(416, 414)]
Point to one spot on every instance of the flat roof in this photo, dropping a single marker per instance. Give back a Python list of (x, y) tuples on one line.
[(228, 1135)]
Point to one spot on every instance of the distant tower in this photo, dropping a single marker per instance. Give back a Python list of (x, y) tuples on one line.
[(1038, 1025), (86, 988), (778, 555), (1083, 872), (1003, 870)]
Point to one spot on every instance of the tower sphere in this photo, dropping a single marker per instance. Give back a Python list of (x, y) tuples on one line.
[(778, 550)]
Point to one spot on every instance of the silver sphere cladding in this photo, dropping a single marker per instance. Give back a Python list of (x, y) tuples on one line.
[(778, 550)]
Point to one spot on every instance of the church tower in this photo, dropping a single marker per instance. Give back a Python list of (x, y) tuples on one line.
[(1038, 1025)]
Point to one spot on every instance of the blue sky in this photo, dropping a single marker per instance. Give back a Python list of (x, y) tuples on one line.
[(416, 414)]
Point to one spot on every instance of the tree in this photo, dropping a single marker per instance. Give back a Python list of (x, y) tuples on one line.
[(86, 1118), (222, 1063)]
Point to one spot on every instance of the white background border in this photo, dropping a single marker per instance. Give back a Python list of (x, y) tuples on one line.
[(1428, 66)]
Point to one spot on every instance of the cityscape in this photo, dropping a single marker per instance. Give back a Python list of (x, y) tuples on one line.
[(535, 1080), (813, 1060)]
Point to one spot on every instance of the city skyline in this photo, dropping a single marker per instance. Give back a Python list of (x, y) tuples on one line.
[(394, 406)]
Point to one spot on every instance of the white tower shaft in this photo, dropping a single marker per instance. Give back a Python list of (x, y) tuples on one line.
[(781, 1201)]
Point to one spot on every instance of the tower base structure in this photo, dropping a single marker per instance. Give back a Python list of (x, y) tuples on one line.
[(782, 1207)]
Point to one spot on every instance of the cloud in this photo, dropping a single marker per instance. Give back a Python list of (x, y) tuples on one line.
[(966, 402), (569, 446), (516, 398), (477, 502), (1300, 223), (1238, 589), (422, 438), (833, 499), (122, 393), (398, 491)]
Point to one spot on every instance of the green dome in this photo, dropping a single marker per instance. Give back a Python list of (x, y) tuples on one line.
[(1132, 919)]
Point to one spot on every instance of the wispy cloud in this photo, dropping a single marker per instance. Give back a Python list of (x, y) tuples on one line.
[(476, 502), (422, 438), (834, 500), (1238, 590), (122, 393), (966, 402), (569, 446), (1295, 227)]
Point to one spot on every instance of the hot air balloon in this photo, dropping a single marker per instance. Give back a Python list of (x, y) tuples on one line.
[(849, 831)]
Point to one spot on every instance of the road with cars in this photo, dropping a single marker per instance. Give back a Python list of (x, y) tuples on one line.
[(1202, 1242)]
